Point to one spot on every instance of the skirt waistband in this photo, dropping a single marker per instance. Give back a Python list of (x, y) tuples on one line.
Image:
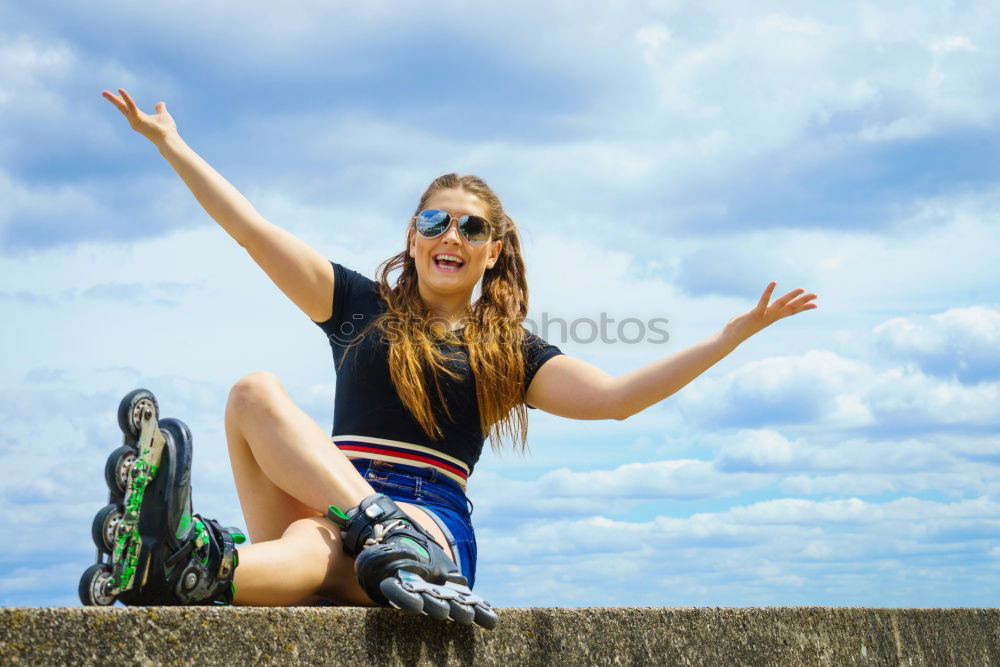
[(395, 451)]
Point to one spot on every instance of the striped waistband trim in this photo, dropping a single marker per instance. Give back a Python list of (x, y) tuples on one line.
[(395, 451)]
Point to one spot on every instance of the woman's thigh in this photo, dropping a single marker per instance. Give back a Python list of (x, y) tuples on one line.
[(284, 464), (267, 509)]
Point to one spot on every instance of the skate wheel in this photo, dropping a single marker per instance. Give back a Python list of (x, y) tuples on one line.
[(95, 581), (486, 618), (131, 409), (462, 614), (116, 469), (104, 530), (400, 598), (437, 609)]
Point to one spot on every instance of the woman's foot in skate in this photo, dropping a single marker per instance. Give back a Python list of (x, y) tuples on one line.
[(398, 563), (151, 549)]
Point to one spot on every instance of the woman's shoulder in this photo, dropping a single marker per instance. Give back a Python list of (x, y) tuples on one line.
[(351, 279), (356, 299), (531, 339)]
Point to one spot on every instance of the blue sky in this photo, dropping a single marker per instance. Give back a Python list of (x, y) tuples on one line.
[(662, 159)]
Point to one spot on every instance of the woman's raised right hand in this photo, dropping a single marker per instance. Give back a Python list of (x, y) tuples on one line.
[(155, 128)]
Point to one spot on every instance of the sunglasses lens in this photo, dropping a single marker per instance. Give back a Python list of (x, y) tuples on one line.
[(476, 229), (432, 223)]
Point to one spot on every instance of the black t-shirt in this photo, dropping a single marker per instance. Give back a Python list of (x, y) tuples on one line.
[(366, 401)]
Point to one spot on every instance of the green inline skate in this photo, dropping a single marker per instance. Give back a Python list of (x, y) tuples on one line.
[(151, 549)]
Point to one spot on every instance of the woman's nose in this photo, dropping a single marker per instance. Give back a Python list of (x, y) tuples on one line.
[(452, 231)]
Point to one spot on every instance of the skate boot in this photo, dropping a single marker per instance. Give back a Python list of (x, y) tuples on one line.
[(151, 549), (398, 563)]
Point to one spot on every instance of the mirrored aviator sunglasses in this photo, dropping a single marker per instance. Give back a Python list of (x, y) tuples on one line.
[(433, 223)]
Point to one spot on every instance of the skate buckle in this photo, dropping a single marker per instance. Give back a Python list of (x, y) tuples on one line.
[(227, 561), (337, 516), (226, 565)]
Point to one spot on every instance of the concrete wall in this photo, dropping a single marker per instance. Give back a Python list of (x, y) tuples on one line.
[(604, 636)]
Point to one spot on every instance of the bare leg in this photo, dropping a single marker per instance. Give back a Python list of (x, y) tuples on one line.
[(307, 560), (287, 472), (285, 466)]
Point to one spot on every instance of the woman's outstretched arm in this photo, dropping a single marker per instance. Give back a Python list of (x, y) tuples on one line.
[(302, 273), (573, 388)]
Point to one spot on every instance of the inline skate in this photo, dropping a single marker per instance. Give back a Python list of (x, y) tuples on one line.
[(151, 549), (398, 563)]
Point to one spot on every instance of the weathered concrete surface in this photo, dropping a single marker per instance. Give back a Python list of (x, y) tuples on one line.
[(596, 636)]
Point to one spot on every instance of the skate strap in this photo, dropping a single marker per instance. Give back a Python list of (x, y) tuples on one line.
[(179, 555), (372, 521), (208, 576), (228, 548)]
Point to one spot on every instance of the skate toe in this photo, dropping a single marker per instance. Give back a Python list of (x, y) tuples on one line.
[(483, 613), (410, 592)]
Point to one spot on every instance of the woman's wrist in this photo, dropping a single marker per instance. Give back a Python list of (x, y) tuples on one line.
[(730, 337), (168, 141)]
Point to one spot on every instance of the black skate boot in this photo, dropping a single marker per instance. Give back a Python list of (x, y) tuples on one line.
[(398, 563), (151, 550)]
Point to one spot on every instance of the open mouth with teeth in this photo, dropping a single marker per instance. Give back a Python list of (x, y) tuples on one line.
[(448, 262)]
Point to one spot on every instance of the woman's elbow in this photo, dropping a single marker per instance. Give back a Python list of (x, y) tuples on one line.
[(619, 412), (622, 416)]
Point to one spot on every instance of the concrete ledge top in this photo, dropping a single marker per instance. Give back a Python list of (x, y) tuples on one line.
[(586, 636)]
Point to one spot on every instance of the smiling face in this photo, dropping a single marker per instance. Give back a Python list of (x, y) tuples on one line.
[(441, 279)]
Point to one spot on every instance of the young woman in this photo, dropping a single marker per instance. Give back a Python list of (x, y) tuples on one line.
[(424, 375)]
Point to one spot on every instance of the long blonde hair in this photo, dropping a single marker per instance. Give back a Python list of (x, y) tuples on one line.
[(493, 332)]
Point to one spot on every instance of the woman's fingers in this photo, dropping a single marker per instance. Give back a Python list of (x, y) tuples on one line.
[(117, 101), (153, 126), (788, 297), (766, 296), (125, 104), (797, 306), (803, 303), (784, 300), (129, 101), (779, 305), (784, 306)]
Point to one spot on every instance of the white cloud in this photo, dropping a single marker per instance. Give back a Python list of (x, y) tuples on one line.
[(31, 69), (911, 399), (566, 492), (815, 387), (960, 342), (953, 43), (652, 36), (783, 551), (823, 388)]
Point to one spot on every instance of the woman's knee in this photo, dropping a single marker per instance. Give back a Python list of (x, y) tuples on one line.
[(253, 390), (316, 531)]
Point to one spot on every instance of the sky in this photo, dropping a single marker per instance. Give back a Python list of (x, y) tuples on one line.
[(662, 159)]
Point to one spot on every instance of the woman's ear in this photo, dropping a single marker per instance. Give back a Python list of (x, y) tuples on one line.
[(495, 255), (412, 246)]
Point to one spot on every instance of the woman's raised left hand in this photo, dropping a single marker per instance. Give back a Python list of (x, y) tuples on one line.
[(743, 326)]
